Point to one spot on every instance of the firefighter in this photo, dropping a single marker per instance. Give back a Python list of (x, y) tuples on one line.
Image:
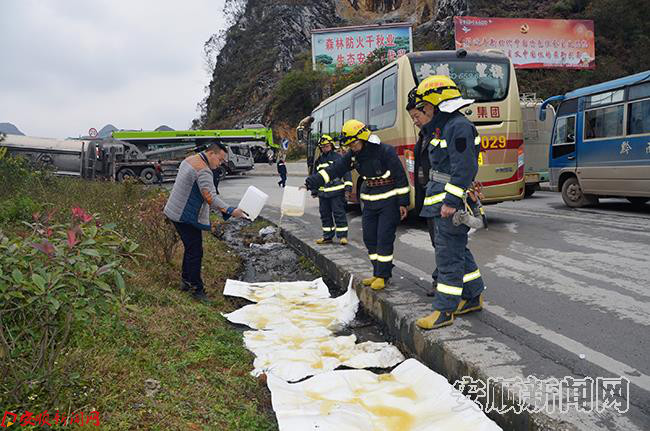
[(453, 155), (422, 167), (331, 196), (384, 193)]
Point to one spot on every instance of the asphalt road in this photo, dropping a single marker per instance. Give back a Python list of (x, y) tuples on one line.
[(578, 280)]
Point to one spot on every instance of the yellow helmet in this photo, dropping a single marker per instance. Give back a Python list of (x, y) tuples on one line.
[(326, 139), (353, 130), (436, 89)]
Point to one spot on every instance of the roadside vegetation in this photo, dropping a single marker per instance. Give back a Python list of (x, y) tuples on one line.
[(91, 317)]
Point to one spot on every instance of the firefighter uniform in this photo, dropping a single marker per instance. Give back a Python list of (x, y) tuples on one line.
[(453, 147), (384, 190), (331, 197)]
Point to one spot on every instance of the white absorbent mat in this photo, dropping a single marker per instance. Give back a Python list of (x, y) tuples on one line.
[(411, 398), (293, 353), (256, 292), (279, 312)]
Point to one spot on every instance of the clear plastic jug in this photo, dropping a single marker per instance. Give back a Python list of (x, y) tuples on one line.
[(253, 201), (293, 201)]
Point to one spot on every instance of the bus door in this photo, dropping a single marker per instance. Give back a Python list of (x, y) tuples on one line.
[(563, 147)]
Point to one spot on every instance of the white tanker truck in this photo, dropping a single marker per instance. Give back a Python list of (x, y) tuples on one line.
[(100, 158)]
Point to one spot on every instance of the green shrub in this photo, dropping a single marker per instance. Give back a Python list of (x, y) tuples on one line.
[(18, 208), (54, 279)]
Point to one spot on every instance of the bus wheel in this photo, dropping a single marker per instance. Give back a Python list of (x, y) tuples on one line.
[(148, 175), (125, 173), (573, 196), (637, 200), (528, 191)]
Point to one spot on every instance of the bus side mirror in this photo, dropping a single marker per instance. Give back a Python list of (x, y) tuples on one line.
[(542, 114)]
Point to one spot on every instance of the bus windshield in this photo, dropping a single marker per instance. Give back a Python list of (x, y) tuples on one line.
[(483, 81)]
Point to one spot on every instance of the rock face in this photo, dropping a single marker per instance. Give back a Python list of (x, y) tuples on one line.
[(259, 48), (262, 45)]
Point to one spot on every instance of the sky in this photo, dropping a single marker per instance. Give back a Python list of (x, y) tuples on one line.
[(69, 65)]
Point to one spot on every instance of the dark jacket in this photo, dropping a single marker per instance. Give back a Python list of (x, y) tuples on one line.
[(282, 168), (374, 161), (338, 185), (453, 146)]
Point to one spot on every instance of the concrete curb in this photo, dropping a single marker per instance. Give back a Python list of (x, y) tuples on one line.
[(396, 311)]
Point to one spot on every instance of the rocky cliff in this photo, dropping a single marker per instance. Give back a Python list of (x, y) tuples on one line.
[(270, 37)]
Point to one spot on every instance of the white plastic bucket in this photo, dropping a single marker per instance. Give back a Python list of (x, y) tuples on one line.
[(253, 201), (293, 201)]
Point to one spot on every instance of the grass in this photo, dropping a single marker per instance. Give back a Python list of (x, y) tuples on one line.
[(188, 347)]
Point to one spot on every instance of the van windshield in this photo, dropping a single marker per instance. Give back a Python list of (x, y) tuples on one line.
[(483, 81)]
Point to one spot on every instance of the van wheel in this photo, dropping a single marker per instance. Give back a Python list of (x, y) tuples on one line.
[(573, 196), (638, 200)]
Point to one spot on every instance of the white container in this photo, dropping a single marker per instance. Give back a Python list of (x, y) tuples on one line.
[(253, 201), (293, 201)]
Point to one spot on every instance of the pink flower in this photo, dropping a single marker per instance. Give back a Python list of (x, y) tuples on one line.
[(72, 238), (80, 214)]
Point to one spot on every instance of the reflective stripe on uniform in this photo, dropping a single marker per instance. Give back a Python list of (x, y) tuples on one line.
[(403, 190), (471, 276), (386, 195), (328, 229), (373, 256), (477, 140), (431, 200), (435, 142), (325, 176), (382, 177), (449, 290), (333, 188), (381, 258), (454, 190), (348, 183), (342, 229), (322, 166)]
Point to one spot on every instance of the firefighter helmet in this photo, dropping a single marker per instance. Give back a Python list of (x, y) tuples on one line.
[(440, 91), (353, 130), (326, 139)]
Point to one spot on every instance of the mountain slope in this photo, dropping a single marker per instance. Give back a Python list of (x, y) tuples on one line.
[(272, 37)]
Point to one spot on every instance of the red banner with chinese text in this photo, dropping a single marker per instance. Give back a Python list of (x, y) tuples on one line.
[(531, 43)]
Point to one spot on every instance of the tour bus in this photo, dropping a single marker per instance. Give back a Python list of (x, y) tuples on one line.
[(380, 100), (601, 142)]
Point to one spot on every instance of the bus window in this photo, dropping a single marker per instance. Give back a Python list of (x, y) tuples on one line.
[(383, 115), (388, 90), (332, 125), (483, 81), (639, 91), (639, 117), (346, 115), (604, 122), (564, 141), (360, 105), (605, 98)]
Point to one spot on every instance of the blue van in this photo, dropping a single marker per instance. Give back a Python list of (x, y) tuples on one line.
[(601, 142)]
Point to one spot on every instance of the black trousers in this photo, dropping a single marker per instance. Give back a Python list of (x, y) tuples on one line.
[(432, 234), (333, 206), (192, 238), (379, 224)]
